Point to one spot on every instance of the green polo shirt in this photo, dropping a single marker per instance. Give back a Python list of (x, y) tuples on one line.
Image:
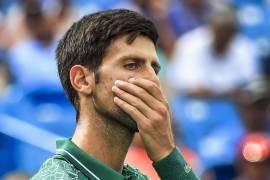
[(70, 162)]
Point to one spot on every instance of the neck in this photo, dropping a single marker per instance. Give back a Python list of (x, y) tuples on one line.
[(104, 139)]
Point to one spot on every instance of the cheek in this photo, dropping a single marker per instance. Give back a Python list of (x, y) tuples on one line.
[(107, 78), (116, 72), (122, 77), (104, 88)]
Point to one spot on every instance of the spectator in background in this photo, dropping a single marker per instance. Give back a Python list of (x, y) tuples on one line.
[(187, 15), (16, 176), (1, 29), (14, 17), (254, 105), (5, 74), (5, 40), (63, 17), (60, 13), (266, 64), (253, 157), (38, 24), (213, 61), (253, 161), (174, 18), (32, 60)]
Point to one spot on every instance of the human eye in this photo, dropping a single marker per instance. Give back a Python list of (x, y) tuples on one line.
[(156, 68), (132, 65)]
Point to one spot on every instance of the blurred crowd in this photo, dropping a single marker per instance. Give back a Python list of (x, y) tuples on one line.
[(215, 58)]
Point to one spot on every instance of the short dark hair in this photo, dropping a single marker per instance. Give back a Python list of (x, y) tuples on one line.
[(86, 41)]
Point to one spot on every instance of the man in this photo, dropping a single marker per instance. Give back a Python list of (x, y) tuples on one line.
[(108, 67), (214, 60), (253, 159), (254, 106), (37, 50)]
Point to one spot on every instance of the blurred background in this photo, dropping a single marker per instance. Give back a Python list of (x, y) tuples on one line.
[(215, 57)]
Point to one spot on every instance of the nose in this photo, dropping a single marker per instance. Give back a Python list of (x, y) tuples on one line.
[(149, 74)]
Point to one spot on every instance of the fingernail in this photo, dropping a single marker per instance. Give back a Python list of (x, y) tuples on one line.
[(115, 99), (114, 88), (118, 82)]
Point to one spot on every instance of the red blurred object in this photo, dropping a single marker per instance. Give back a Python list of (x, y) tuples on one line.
[(255, 147)]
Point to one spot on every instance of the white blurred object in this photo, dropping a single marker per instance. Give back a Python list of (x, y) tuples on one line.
[(263, 46), (250, 15), (197, 110), (194, 63)]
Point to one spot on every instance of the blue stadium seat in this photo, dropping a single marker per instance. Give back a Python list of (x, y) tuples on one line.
[(48, 109), (29, 158), (34, 121), (254, 21), (210, 127), (240, 3), (7, 154), (27, 145)]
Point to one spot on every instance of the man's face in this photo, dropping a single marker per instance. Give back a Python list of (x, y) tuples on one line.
[(121, 62), (222, 36)]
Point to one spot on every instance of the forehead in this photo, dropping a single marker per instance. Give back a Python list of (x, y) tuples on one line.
[(142, 47)]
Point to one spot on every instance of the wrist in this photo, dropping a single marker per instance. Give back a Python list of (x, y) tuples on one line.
[(162, 153)]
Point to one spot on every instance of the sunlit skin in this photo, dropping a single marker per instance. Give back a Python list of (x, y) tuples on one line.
[(128, 91)]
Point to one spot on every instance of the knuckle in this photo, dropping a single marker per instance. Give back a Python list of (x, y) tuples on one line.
[(156, 119), (121, 93), (135, 103), (152, 86), (133, 110), (162, 110), (141, 91), (146, 125), (155, 80)]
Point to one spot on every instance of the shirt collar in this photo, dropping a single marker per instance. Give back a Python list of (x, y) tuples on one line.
[(89, 166)]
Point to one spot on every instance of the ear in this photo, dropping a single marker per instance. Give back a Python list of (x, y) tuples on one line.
[(81, 79)]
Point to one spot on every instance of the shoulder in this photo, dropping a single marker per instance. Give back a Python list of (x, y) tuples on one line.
[(133, 173), (56, 169)]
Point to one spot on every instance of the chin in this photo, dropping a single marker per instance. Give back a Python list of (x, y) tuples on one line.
[(127, 121), (112, 112), (118, 115)]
